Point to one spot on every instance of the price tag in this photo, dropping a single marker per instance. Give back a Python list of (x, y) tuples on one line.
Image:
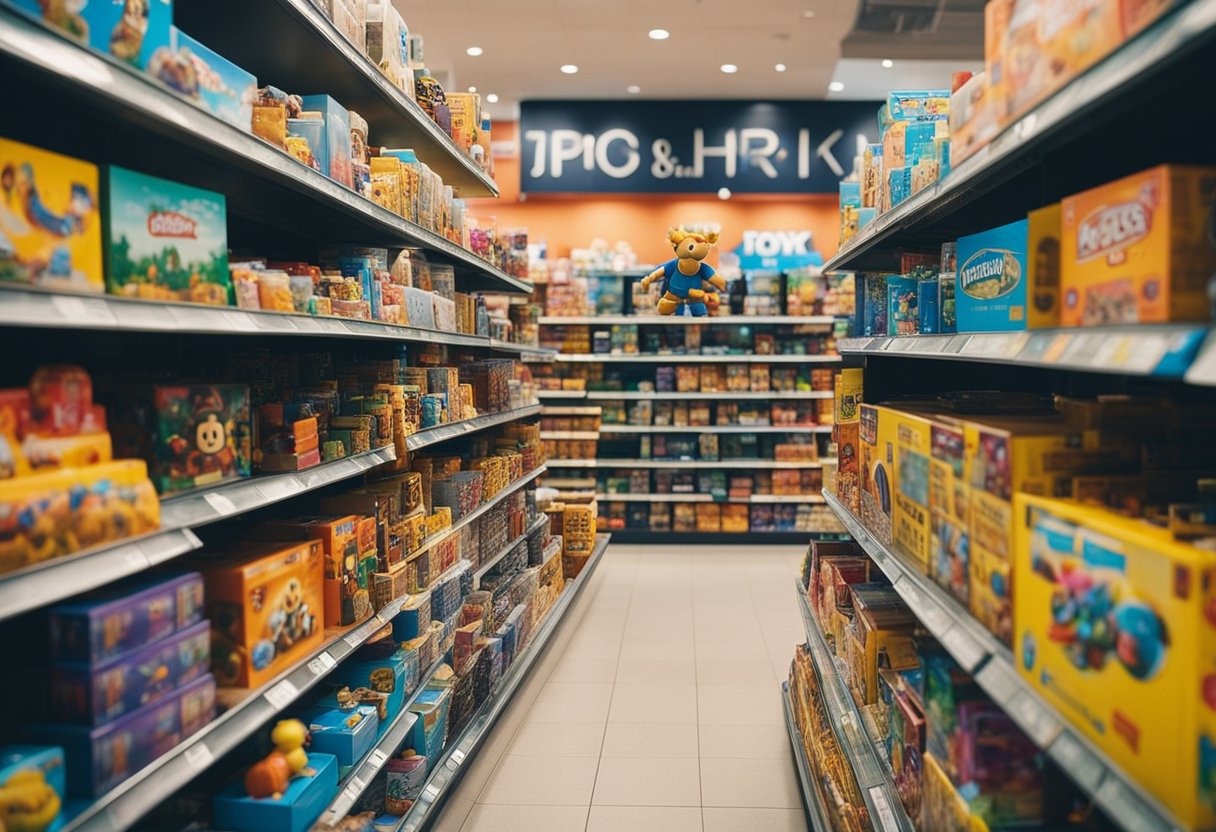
[(282, 694), (458, 756), (321, 664), (1036, 720), (886, 817), (220, 503), (135, 559), (965, 650), (198, 757), (377, 758), (83, 310), (356, 786), (1083, 767)]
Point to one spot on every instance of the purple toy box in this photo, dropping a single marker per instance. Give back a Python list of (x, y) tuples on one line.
[(125, 617), (98, 759), (97, 694)]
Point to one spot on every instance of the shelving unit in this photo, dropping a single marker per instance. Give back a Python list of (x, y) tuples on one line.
[(687, 320), (811, 796), (610, 428), (692, 358), (725, 396), (754, 499), (489, 563), (744, 464), (991, 663)]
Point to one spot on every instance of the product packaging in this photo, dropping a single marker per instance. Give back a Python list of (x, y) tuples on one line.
[(208, 79), (134, 31), (296, 810), (1008, 277)]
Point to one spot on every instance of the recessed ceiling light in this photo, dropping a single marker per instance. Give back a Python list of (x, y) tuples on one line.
[(836, 86), (779, 68), (569, 69), (633, 89), (492, 98), (472, 89), (474, 51), (723, 193), (887, 63), (808, 14), (729, 69), (659, 34)]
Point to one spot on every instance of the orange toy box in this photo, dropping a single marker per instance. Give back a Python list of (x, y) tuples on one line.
[(1139, 250), (347, 590), (1116, 628), (266, 605)]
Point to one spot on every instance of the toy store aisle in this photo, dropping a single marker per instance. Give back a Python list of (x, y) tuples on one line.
[(661, 711)]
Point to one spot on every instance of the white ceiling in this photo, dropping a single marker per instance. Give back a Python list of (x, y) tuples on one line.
[(526, 41)]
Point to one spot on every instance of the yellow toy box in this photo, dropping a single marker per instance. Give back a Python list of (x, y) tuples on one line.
[(266, 605), (949, 510), (910, 515), (50, 226), (1116, 628), (847, 394), (943, 809), (877, 469), (1139, 250)]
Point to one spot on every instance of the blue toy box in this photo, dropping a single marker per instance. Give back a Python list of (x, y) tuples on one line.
[(130, 30), (414, 619), (208, 79), (383, 668), (991, 291), (429, 733), (96, 694), (123, 617), (45, 798), (334, 154), (346, 734), (295, 811)]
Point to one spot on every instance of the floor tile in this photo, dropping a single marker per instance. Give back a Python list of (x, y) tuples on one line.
[(585, 669), (754, 820), (644, 819), (740, 704), (635, 739), (455, 812), (743, 741), (556, 739), (499, 818), (564, 692), (541, 781), (674, 669), (766, 784), (647, 781)]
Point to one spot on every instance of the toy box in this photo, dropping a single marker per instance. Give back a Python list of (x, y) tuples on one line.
[(98, 759), (60, 512), (50, 226), (295, 811), (209, 80), (943, 809), (97, 694), (382, 668), (910, 526), (192, 435), (430, 729), (902, 314), (949, 513), (1140, 250), (1113, 620), (877, 469), (163, 240), (131, 30), (40, 789), (346, 734), (265, 602), (334, 153), (123, 617), (1000, 287), (347, 593)]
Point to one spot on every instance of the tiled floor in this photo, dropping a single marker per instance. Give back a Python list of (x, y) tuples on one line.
[(660, 712)]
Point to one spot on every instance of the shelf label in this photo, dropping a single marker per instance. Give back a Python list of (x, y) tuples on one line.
[(886, 817), (965, 650), (83, 310), (198, 757), (377, 758), (1084, 767), (220, 503), (1035, 719), (458, 756), (237, 321), (431, 791), (321, 664), (135, 559), (282, 694), (356, 785)]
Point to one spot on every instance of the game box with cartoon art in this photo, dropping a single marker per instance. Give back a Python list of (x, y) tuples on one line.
[(1116, 628), (130, 30), (266, 605)]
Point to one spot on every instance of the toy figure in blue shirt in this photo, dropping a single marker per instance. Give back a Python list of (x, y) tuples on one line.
[(688, 284)]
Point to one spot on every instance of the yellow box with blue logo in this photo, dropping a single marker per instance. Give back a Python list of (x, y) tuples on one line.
[(33, 776), (1116, 628), (1009, 277), (294, 811), (877, 469)]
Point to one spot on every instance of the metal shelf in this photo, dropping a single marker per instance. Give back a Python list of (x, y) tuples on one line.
[(54, 580), (1148, 350), (569, 434), (1102, 92), (685, 358), (744, 464), (991, 663), (310, 54), (562, 394), (453, 430), (811, 796), (686, 320), (532, 353), (606, 428), (730, 395), (455, 760), (871, 771), (754, 499), (569, 410), (135, 116), (487, 565)]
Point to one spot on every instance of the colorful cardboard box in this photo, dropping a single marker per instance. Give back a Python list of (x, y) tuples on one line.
[(209, 80), (1114, 621), (1140, 249), (50, 226), (294, 811), (1008, 277), (347, 594), (347, 734), (949, 510), (265, 602), (334, 152), (877, 469), (164, 240), (910, 525), (133, 31)]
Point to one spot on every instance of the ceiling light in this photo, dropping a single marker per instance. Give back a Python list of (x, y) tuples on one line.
[(474, 51), (887, 63), (808, 14), (723, 193), (659, 34), (492, 98), (472, 89), (633, 89), (569, 69), (780, 67), (836, 86), (729, 69)]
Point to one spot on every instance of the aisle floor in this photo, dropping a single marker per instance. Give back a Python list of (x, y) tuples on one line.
[(661, 711)]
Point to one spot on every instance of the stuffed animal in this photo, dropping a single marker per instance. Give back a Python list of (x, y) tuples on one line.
[(688, 284)]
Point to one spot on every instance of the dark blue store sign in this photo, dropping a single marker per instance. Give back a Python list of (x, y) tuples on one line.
[(691, 146)]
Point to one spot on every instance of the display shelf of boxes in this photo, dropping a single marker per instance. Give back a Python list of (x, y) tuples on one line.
[(812, 797)]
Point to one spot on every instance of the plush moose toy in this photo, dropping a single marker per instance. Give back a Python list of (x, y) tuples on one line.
[(688, 284)]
